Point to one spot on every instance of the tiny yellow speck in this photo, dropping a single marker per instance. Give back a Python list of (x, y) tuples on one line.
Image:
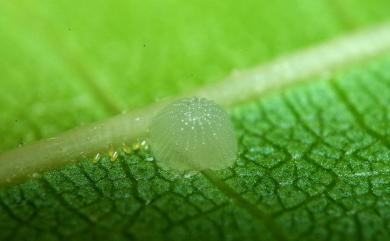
[(96, 158), (136, 146), (112, 153), (126, 149), (114, 156), (110, 150)]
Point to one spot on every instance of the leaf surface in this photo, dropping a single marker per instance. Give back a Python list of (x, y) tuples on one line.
[(313, 165), (313, 161)]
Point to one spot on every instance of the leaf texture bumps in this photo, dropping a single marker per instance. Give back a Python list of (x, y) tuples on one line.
[(313, 165)]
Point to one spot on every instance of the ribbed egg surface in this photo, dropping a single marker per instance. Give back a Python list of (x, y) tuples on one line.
[(193, 134)]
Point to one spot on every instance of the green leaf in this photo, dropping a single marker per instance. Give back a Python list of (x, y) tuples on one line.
[(313, 161), (313, 165)]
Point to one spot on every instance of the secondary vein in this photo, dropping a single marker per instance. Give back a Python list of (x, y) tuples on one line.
[(252, 209)]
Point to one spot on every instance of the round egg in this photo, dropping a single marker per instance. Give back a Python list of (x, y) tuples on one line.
[(193, 134)]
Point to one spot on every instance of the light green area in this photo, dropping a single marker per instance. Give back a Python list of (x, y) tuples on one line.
[(313, 159), (313, 165), (65, 63)]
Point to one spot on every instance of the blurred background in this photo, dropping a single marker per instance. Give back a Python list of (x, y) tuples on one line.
[(67, 63)]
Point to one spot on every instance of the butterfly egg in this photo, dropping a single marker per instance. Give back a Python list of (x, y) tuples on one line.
[(193, 134)]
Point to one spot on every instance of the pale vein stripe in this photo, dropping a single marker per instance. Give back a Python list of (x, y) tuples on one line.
[(17, 164), (310, 62), (366, 174)]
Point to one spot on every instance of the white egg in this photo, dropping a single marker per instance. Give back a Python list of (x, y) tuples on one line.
[(193, 134)]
